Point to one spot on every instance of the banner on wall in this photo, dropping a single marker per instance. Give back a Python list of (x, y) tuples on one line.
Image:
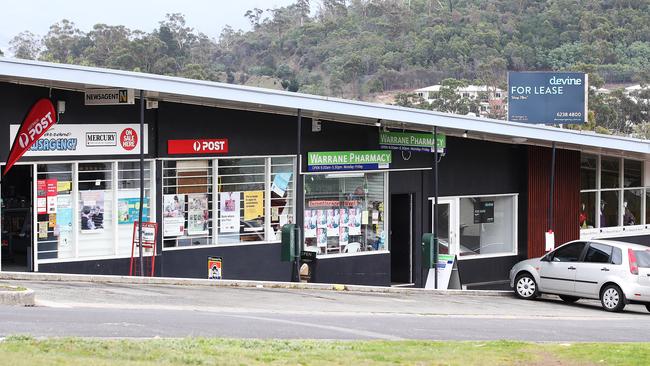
[(173, 215), (253, 205), (87, 139), (40, 118), (348, 160), (229, 209), (198, 215)]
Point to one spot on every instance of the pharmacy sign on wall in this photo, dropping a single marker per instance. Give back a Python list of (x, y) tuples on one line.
[(411, 141), (327, 161)]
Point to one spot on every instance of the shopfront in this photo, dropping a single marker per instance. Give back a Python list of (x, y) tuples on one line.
[(223, 165)]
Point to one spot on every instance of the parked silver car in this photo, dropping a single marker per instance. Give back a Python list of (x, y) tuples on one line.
[(617, 273)]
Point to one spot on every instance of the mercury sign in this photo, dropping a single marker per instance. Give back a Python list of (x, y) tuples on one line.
[(547, 97)]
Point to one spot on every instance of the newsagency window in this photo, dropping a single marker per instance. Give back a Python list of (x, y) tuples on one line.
[(88, 209), (226, 200), (345, 213), (487, 225)]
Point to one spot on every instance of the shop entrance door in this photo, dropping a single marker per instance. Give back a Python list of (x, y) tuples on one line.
[(16, 216), (401, 238), (447, 223)]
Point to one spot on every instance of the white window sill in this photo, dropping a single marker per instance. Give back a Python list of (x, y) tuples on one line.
[(240, 244), (484, 256), (343, 255)]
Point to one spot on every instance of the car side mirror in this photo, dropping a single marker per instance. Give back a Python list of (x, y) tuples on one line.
[(546, 258)]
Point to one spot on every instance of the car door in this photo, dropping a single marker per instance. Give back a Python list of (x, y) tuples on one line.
[(558, 273), (593, 270)]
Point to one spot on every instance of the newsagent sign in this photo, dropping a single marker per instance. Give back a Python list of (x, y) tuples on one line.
[(547, 97), (87, 139), (348, 160), (109, 96)]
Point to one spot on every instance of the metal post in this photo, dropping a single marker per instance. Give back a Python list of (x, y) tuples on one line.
[(300, 199), (435, 207), (141, 181), (550, 198)]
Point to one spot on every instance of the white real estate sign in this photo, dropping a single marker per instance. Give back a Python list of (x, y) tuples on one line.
[(87, 139)]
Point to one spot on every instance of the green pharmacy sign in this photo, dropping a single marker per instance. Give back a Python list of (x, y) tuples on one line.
[(326, 161), (411, 141)]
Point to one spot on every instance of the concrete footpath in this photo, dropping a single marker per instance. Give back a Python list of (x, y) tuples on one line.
[(34, 276)]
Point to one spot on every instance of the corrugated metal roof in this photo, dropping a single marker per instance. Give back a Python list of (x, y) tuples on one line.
[(208, 93)]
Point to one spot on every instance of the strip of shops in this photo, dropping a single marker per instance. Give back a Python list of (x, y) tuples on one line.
[(222, 167)]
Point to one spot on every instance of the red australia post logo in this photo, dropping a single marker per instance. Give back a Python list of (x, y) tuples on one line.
[(41, 117), (129, 139)]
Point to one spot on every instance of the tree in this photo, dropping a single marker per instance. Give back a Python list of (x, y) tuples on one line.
[(449, 100), (63, 43), (25, 45)]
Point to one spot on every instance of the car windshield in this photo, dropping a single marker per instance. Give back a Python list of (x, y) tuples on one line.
[(643, 258)]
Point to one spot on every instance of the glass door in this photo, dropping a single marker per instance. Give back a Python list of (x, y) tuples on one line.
[(447, 224)]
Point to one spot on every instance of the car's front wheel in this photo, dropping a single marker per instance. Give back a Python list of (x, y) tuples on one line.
[(569, 299), (525, 286), (612, 298)]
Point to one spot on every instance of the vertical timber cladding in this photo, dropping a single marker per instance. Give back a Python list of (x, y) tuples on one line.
[(566, 197)]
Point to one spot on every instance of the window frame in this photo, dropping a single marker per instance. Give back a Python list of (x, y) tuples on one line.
[(214, 240)]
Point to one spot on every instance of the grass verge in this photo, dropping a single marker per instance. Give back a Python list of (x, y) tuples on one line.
[(24, 350)]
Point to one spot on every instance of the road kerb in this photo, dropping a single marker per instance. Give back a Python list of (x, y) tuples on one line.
[(17, 297), (31, 276)]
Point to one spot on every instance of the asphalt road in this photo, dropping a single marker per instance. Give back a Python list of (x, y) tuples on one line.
[(109, 310)]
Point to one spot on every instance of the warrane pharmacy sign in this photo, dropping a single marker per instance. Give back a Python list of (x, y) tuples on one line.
[(69, 140)]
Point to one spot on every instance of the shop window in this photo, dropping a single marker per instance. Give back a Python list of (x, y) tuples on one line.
[(241, 208), (610, 172), (588, 171), (187, 203), (487, 225), (95, 208), (345, 213), (55, 205), (608, 213), (587, 210), (632, 206), (632, 173), (128, 201), (282, 193)]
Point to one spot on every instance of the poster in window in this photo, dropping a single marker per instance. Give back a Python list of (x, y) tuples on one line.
[(128, 210), (253, 205), (41, 196), (322, 237), (344, 235), (64, 220), (51, 188), (173, 215), (333, 222), (321, 219), (310, 223), (229, 209), (91, 211), (354, 222), (484, 212), (280, 183), (198, 214)]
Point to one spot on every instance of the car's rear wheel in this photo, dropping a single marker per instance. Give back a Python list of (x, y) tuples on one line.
[(569, 299), (525, 286), (612, 298)]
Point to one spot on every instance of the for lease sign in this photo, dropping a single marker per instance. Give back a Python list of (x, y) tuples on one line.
[(547, 97)]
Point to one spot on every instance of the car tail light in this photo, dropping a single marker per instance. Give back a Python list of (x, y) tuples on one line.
[(634, 268)]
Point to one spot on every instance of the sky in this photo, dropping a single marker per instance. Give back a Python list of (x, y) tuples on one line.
[(204, 16)]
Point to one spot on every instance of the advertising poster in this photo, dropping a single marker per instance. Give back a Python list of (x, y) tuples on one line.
[(42, 230), (333, 222), (229, 209), (63, 186), (128, 210), (354, 222), (64, 220), (321, 219), (51, 192), (173, 215), (344, 217), (214, 268), (198, 215), (280, 183), (91, 211), (41, 196), (253, 205), (344, 235), (322, 237), (310, 223)]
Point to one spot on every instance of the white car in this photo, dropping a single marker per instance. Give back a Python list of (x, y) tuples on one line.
[(614, 272)]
